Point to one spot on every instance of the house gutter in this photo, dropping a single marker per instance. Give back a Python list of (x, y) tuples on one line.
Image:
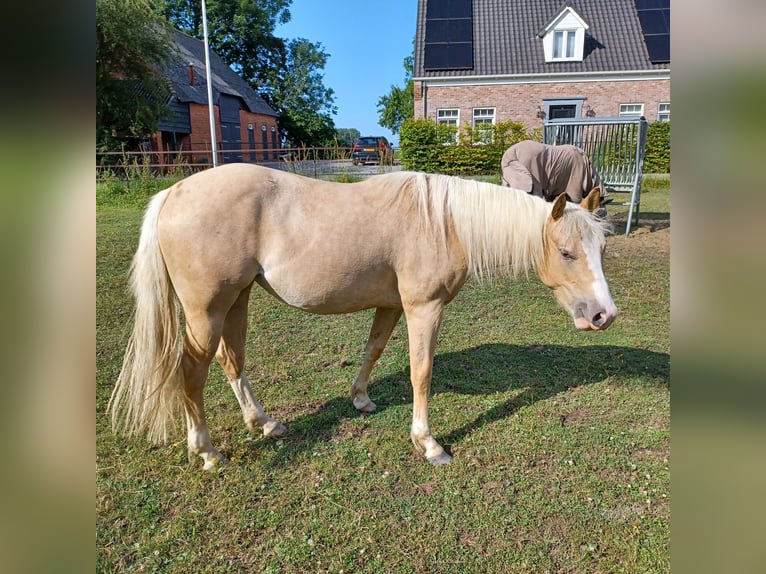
[(624, 76)]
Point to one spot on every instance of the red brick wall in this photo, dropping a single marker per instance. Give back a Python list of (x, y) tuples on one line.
[(200, 131), (519, 102), (258, 121), (200, 136)]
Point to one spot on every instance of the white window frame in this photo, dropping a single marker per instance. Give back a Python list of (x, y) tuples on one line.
[(479, 117), (446, 116), (663, 112), (631, 110), (449, 117), (565, 48)]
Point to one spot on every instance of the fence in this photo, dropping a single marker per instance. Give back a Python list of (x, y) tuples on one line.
[(310, 161), (615, 147)]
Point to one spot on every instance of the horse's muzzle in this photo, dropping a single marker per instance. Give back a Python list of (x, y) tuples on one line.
[(588, 319)]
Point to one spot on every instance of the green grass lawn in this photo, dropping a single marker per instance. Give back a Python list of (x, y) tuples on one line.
[(560, 438)]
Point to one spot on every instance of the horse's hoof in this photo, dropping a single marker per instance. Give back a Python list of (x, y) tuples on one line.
[(274, 429), (440, 459), (365, 406), (214, 462)]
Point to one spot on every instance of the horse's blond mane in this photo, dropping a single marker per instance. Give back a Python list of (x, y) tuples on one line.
[(501, 229)]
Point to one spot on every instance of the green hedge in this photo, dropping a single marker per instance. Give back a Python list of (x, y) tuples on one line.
[(657, 159), (437, 148)]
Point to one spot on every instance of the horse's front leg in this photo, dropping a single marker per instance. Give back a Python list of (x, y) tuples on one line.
[(423, 321), (382, 327), (231, 357)]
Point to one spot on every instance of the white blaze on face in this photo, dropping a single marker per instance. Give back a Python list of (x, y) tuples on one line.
[(600, 286)]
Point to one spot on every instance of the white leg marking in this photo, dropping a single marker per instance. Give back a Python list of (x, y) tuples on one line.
[(252, 411)]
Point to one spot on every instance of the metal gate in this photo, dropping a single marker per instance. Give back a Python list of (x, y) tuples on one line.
[(615, 147)]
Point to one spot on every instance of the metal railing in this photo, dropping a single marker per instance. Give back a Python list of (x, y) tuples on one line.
[(616, 148)]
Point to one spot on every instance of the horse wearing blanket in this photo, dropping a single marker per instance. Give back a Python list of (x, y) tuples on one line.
[(401, 243), (550, 170)]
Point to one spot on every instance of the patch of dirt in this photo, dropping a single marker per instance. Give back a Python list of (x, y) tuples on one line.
[(649, 239)]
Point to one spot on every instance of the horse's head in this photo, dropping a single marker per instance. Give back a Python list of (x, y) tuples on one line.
[(571, 267)]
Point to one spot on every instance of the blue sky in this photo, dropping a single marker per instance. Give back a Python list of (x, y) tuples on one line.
[(366, 43)]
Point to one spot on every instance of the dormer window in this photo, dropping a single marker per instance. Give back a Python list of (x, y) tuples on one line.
[(564, 44), (564, 37)]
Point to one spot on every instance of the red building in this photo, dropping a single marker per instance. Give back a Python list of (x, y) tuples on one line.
[(246, 126)]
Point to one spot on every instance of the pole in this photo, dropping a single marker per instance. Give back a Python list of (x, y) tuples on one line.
[(209, 85)]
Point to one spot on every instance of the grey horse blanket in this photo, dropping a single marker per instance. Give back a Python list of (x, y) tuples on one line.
[(549, 171)]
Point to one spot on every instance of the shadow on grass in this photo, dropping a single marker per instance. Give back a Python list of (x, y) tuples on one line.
[(538, 371)]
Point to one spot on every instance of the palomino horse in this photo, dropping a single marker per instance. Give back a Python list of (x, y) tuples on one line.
[(401, 243)]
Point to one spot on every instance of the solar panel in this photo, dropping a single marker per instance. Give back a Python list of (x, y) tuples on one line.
[(659, 48), (448, 31), (652, 4), (654, 16), (449, 35), (449, 9)]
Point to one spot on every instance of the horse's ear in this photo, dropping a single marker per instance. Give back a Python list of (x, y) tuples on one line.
[(593, 200), (558, 206)]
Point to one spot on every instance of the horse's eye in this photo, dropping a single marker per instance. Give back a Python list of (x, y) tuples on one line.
[(566, 255)]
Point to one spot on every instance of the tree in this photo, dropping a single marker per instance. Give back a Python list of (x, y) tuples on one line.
[(240, 31), (298, 91), (286, 74), (346, 136), (399, 104), (131, 45)]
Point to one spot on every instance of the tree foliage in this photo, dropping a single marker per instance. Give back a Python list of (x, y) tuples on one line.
[(298, 92), (345, 137), (131, 43), (399, 104), (657, 155), (240, 31), (285, 73)]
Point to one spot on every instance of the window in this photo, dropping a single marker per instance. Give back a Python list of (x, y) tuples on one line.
[(483, 116), (563, 44), (483, 119), (663, 112), (631, 109), (564, 37), (448, 120), (448, 117)]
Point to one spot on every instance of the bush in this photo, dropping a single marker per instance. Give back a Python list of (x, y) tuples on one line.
[(129, 191), (657, 157), (419, 143), (438, 148)]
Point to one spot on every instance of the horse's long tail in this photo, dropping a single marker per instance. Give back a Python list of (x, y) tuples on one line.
[(149, 390)]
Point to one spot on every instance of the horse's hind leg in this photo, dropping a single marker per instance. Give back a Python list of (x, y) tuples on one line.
[(382, 327), (231, 356), (202, 336)]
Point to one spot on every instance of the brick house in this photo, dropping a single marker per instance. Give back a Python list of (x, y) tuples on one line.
[(246, 126), (486, 61)]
